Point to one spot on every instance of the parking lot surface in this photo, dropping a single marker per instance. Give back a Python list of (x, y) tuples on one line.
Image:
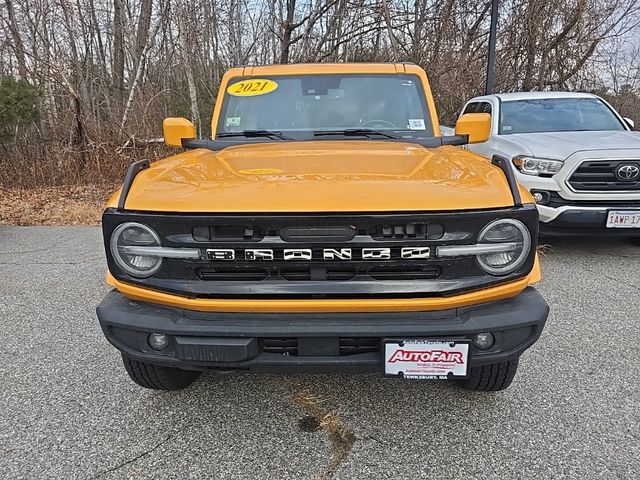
[(68, 409)]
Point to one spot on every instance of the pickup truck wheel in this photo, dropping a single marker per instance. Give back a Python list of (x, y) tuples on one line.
[(492, 377), (157, 377)]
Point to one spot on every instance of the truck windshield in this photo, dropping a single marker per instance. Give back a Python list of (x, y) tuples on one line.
[(556, 115), (321, 106)]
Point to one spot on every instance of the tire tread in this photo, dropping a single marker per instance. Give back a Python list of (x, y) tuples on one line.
[(158, 377), (492, 377)]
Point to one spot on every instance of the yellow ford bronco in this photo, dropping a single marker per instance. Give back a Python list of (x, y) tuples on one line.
[(325, 225)]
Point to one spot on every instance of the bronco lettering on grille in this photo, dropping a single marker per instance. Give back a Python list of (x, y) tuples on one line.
[(306, 254)]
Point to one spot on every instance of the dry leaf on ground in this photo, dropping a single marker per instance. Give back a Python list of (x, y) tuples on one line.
[(66, 205)]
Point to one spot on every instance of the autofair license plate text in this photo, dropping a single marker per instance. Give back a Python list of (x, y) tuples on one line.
[(426, 359)]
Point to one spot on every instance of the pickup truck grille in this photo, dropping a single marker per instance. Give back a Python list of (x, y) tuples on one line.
[(605, 175), (319, 255)]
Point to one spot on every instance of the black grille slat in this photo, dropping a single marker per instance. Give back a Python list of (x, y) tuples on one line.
[(306, 273), (355, 345), (599, 175), (296, 275), (340, 274), (317, 234), (408, 231), (347, 345), (224, 275), (406, 273), (282, 346), (226, 233)]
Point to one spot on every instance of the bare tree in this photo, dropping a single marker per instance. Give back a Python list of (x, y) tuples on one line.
[(118, 51), (107, 71), (17, 46)]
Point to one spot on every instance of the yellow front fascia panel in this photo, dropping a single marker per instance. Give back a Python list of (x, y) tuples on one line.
[(491, 294)]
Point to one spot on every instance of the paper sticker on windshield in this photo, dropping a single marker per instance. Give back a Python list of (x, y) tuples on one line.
[(232, 121), (416, 124), (252, 87)]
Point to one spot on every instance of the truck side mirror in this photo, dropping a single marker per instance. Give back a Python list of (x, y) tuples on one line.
[(176, 129), (476, 125), (629, 122)]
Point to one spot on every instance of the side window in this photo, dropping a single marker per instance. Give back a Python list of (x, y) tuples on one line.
[(471, 108), (478, 107), (484, 107)]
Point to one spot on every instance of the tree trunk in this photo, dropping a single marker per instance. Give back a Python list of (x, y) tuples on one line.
[(118, 52), (392, 38), (18, 46), (287, 28), (144, 23), (187, 60)]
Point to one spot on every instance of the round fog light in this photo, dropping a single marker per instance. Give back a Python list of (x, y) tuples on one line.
[(158, 341), (484, 340), (541, 197)]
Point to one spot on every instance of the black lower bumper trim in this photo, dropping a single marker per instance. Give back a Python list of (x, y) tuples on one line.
[(579, 223), (289, 342)]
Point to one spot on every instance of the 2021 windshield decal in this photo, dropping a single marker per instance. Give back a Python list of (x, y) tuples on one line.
[(252, 87)]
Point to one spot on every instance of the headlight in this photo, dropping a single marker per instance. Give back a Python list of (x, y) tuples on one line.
[(507, 243), (127, 239), (537, 166)]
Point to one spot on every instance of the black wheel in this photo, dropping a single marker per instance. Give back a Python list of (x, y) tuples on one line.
[(157, 377), (634, 241), (492, 377)]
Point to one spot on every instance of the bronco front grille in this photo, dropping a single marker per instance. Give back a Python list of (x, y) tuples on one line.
[(604, 175), (320, 255)]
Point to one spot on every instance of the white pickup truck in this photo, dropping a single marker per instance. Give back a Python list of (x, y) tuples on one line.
[(579, 158)]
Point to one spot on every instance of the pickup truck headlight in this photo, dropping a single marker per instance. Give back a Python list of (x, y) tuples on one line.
[(537, 166), (126, 242), (510, 241)]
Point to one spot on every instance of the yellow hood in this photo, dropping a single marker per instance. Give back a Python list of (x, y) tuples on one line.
[(321, 176)]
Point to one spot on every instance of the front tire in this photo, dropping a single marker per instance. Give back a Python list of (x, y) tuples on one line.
[(158, 377), (492, 377)]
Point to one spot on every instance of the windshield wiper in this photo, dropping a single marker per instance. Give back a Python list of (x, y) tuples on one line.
[(354, 132), (255, 133), (427, 142)]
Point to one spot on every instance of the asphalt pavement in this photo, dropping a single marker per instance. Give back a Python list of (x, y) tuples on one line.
[(68, 409)]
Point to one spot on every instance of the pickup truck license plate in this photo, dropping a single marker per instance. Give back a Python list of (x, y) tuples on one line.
[(426, 359), (623, 219)]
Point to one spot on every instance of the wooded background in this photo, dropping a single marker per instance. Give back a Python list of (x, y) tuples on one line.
[(85, 84)]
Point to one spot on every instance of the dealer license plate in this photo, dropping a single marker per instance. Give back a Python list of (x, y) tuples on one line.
[(426, 359), (623, 219)]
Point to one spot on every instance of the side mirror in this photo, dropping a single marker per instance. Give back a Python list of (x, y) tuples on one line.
[(629, 122), (476, 125), (176, 129)]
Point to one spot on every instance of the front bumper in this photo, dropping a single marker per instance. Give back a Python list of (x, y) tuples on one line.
[(581, 221), (312, 342)]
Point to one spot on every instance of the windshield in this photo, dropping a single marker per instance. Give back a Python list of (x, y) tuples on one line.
[(557, 115), (299, 106)]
